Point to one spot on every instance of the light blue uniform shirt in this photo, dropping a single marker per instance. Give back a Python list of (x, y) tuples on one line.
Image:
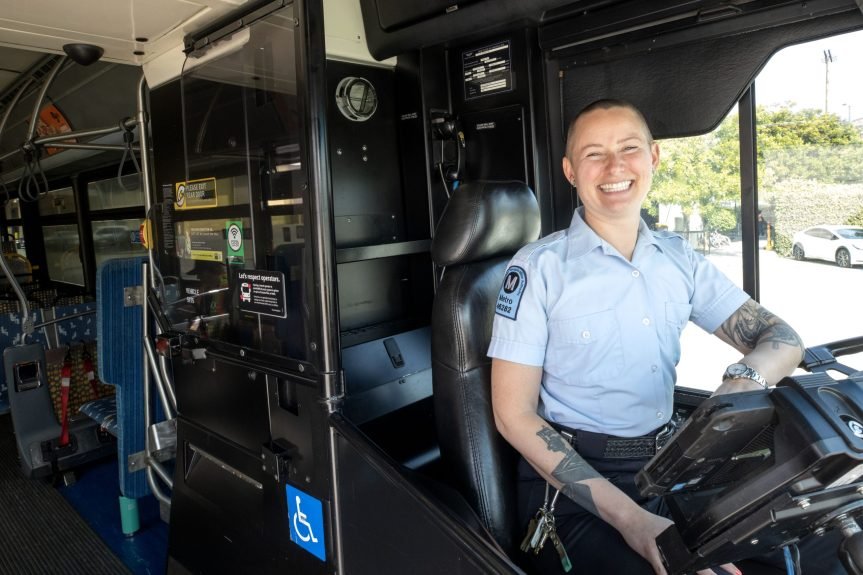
[(605, 330)]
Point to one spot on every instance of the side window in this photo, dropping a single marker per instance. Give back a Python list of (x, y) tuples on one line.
[(113, 236), (810, 173), (62, 242)]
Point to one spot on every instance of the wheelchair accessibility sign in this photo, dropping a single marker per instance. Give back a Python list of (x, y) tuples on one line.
[(306, 517)]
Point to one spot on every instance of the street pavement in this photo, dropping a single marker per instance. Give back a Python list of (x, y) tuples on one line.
[(820, 300)]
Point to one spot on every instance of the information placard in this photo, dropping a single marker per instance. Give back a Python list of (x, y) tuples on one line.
[(262, 291), (195, 194), (487, 70)]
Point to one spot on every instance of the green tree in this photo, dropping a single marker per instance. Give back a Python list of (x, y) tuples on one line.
[(699, 173), (703, 172)]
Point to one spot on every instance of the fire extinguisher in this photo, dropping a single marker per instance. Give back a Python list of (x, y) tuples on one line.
[(65, 382)]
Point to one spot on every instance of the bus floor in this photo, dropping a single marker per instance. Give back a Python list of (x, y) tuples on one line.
[(72, 529), (94, 496)]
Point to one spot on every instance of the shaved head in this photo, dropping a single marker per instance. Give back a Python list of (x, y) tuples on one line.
[(606, 104)]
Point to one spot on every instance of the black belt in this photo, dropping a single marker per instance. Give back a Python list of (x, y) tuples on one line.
[(604, 446)]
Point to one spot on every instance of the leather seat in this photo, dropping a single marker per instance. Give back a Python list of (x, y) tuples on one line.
[(483, 225)]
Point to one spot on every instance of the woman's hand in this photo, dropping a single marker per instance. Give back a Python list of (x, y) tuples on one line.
[(640, 531)]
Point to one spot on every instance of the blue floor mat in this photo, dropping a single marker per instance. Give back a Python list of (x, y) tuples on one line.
[(94, 497)]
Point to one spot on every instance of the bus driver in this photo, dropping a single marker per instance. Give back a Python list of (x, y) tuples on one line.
[(585, 352)]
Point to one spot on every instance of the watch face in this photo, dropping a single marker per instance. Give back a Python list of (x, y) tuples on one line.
[(736, 369)]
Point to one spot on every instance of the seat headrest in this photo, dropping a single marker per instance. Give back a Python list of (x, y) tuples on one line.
[(484, 220)]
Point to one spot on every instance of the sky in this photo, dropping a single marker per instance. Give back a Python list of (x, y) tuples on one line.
[(797, 74)]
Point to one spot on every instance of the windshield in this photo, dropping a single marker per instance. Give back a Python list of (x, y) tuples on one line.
[(851, 233)]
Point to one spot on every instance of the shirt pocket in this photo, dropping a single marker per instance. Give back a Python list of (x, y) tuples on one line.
[(585, 349), (676, 318)]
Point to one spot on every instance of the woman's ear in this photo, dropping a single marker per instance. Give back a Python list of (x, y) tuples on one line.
[(568, 171)]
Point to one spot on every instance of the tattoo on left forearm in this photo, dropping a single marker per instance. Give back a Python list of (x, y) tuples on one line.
[(571, 470)]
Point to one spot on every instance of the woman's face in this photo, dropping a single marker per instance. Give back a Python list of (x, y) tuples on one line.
[(610, 161)]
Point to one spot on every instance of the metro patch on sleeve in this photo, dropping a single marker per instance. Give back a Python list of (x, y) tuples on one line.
[(511, 291)]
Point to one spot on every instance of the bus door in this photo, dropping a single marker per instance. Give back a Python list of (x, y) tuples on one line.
[(234, 276)]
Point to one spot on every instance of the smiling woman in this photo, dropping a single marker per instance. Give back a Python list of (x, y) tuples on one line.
[(291, 160), (611, 169)]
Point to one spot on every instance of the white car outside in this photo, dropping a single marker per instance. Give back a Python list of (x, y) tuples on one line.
[(840, 244)]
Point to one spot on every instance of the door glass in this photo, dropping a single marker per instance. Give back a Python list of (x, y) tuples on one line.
[(239, 255)]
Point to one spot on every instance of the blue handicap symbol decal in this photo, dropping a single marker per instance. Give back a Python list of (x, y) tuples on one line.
[(306, 518)]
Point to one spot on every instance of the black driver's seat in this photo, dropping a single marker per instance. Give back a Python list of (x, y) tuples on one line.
[(483, 225)]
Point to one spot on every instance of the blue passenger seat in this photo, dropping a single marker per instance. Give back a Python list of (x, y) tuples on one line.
[(119, 317)]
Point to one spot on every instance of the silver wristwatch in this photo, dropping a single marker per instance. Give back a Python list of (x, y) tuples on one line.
[(741, 370)]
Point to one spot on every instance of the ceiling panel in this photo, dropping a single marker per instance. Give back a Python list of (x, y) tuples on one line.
[(13, 62), (46, 25)]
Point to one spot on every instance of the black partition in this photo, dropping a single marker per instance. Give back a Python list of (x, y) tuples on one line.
[(382, 233), (384, 508)]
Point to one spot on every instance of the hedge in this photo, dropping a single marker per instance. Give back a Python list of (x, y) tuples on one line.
[(805, 203)]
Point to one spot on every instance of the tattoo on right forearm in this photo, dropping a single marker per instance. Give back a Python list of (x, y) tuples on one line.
[(571, 471)]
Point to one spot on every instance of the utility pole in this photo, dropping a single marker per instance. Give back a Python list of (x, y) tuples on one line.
[(828, 59)]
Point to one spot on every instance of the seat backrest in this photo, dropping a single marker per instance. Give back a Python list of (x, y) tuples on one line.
[(483, 225), (119, 331)]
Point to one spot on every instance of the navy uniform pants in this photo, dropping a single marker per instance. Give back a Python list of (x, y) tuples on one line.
[(596, 548)]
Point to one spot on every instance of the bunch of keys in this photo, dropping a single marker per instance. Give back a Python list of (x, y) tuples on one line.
[(542, 528)]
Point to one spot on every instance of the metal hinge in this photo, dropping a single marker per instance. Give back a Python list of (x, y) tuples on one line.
[(133, 295)]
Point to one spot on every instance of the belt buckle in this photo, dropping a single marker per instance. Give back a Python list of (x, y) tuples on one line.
[(664, 435)]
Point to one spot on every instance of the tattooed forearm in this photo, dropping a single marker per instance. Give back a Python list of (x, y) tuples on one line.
[(553, 439), (571, 470), (753, 324)]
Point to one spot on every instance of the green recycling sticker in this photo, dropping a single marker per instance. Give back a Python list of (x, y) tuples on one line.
[(234, 234)]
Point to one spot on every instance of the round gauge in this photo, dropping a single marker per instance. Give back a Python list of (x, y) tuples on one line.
[(357, 99)]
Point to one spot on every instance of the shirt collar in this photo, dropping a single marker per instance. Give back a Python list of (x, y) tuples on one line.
[(582, 239)]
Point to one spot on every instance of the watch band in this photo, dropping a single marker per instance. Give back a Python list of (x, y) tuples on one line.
[(743, 371)]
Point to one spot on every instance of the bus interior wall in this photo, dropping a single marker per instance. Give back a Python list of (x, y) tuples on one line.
[(382, 231), (392, 175), (386, 202)]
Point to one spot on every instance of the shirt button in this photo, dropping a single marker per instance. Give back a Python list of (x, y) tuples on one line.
[(585, 334), (659, 415), (653, 368), (646, 321), (635, 273)]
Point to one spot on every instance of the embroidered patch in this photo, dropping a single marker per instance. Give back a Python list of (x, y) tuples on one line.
[(509, 297)]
